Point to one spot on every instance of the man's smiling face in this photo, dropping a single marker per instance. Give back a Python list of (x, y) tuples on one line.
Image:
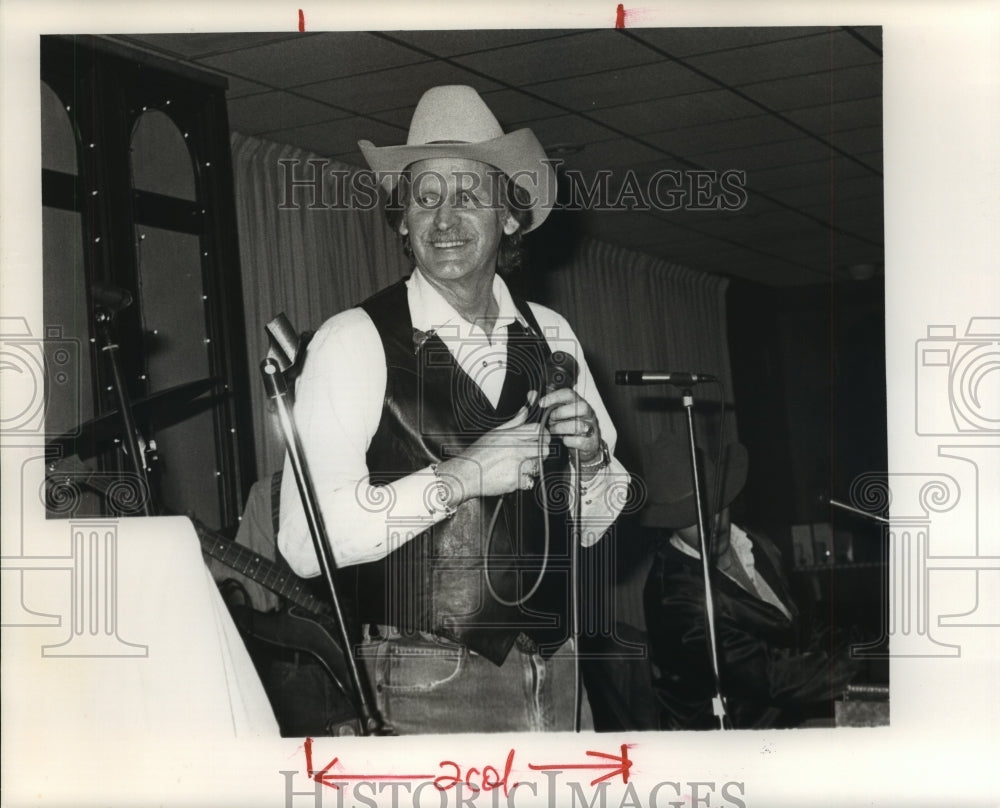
[(455, 219)]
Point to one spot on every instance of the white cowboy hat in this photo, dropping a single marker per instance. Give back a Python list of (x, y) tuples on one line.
[(453, 121)]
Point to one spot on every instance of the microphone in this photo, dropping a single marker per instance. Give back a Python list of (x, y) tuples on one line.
[(560, 372), (661, 377), (113, 298)]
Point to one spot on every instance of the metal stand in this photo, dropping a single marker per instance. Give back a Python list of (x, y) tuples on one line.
[(718, 701), (277, 391), (574, 594), (103, 318)]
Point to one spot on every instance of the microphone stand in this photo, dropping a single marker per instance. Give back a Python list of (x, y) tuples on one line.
[(574, 591), (718, 701), (277, 390), (103, 318)]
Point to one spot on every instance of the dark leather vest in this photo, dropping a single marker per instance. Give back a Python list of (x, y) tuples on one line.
[(435, 583)]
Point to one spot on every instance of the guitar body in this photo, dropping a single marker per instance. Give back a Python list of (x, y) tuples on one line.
[(303, 670)]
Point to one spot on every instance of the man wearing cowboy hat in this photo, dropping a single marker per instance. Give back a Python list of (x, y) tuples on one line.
[(768, 679), (420, 413)]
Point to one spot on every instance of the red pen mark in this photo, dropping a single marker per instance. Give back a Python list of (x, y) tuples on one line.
[(302, 21), (619, 19), (621, 765), (486, 779)]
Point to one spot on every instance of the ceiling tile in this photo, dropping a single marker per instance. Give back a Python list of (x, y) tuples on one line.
[(265, 112), (674, 112), (240, 87), (723, 135), (514, 107), (193, 46), (835, 192), (849, 83), (455, 43), (394, 88), (690, 41), (871, 159), (814, 54), (613, 154), (822, 172), (298, 61), (768, 155), (579, 54), (654, 79), (634, 111), (857, 141), (567, 129), (872, 34), (338, 137), (826, 117), (399, 117), (770, 272)]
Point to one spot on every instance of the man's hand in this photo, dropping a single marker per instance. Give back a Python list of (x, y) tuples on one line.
[(505, 459), (573, 420)]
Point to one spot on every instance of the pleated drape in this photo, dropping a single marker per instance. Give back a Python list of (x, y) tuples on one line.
[(634, 311), (629, 310), (299, 257)]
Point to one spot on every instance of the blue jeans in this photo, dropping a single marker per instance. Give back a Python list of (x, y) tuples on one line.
[(424, 684)]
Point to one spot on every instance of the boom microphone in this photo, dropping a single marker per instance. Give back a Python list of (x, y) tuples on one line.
[(661, 377)]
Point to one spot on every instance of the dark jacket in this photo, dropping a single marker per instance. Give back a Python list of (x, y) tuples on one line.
[(767, 677)]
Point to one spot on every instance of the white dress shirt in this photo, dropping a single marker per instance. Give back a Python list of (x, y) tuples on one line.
[(338, 406)]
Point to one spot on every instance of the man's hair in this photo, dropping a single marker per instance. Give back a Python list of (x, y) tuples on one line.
[(513, 198)]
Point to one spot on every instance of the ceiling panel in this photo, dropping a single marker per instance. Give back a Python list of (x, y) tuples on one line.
[(655, 79), (240, 87), (513, 107), (676, 112), (836, 85), (767, 155), (392, 88), (340, 137), (681, 42), (264, 112), (615, 153), (793, 57), (723, 135), (872, 34), (799, 109), (824, 118), (455, 43), (863, 140), (195, 46), (567, 129), (837, 192), (824, 171), (300, 61), (579, 54)]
